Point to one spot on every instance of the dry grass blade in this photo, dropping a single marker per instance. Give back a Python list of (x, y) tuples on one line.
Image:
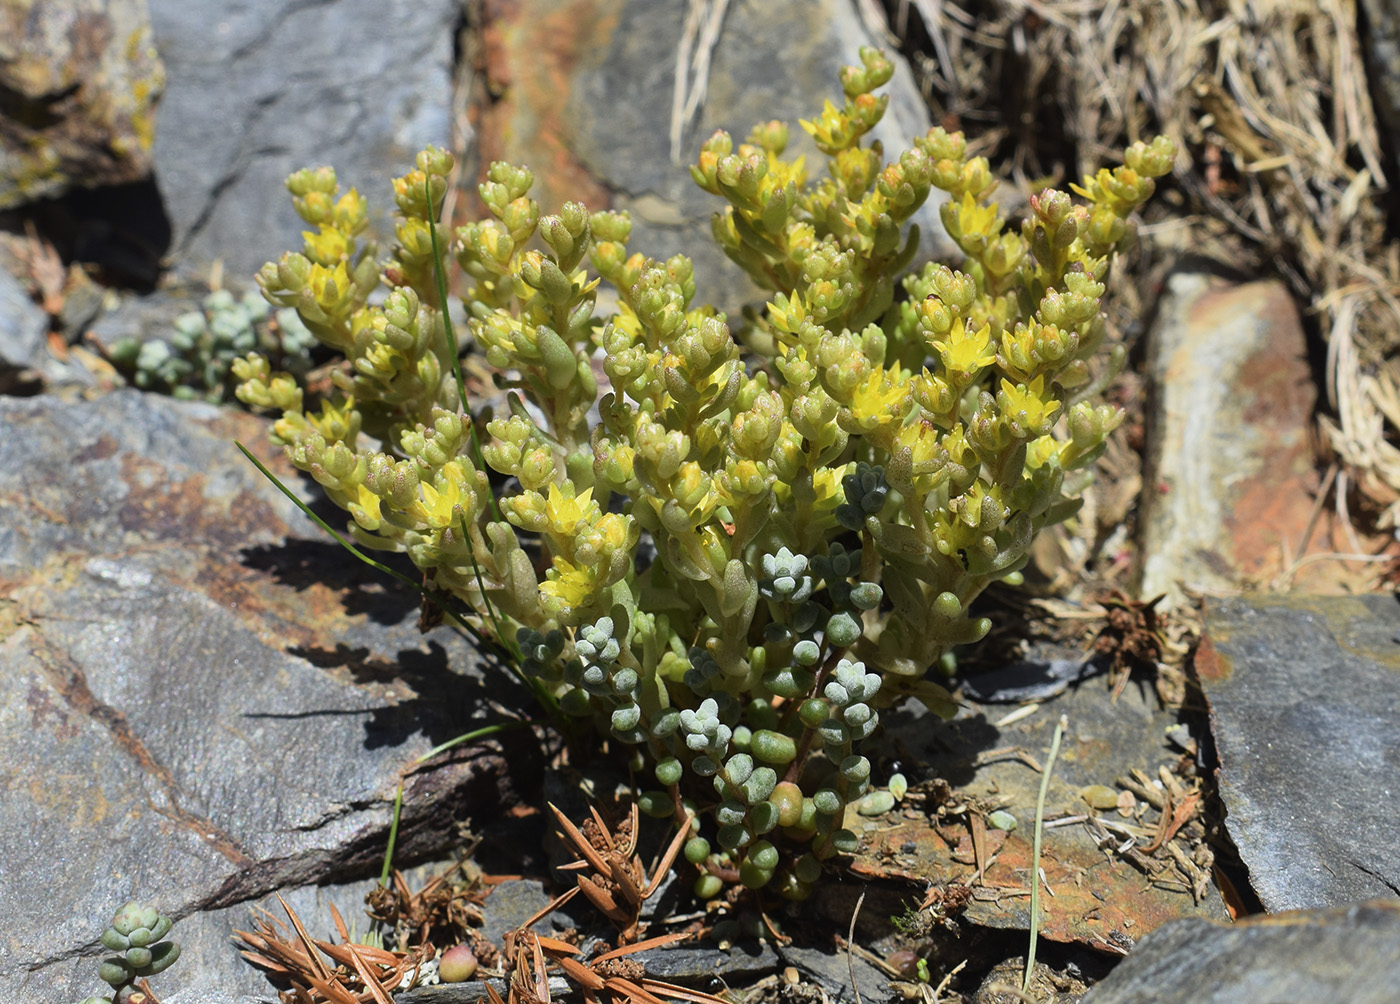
[(660, 941), (632, 991), (620, 976)]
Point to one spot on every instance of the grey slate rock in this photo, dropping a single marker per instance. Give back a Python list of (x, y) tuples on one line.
[(1345, 956), (831, 971), (1304, 696), (512, 903), (200, 699), (22, 326), (1048, 671), (709, 967), (257, 89)]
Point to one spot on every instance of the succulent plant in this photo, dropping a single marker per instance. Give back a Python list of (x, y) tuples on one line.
[(135, 934), (194, 363), (746, 537)]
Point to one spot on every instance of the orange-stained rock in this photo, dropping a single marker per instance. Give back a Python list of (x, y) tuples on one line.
[(1231, 474), (580, 91)]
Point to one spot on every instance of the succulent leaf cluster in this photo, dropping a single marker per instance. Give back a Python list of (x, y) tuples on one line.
[(194, 363), (136, 936), (728, 544)]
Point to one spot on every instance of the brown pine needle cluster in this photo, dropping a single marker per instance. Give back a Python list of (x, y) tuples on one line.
[(357, 974)]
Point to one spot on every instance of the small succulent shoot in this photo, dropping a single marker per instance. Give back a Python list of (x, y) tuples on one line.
[(195, 361), (135, 934), (728, 544)]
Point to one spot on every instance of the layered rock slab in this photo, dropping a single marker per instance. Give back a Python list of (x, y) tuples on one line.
[(1304, 696), (257, 89), (201, 700), (1346, 956)]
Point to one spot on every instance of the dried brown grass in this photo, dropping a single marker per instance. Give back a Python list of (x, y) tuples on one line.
[(1281, 167)]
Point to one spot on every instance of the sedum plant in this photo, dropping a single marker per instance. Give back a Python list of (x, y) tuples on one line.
[(194, 364), (728, 544), (136, 935)]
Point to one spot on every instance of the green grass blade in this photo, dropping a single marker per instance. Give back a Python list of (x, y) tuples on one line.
[(377, 565), (393, 836), (482, 733), (1035, 852)]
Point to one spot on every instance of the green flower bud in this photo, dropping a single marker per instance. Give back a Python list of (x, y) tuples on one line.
[(760, 785), (733, 837), (787, 799), (764, 816), (877, 803), (808, 869), (163, 956), (576, 703), (866, 595), (789, 683), (738, 768), (731, 813), (114, 971), (754, 877), (845, 841), (656, 804), (625, 719)]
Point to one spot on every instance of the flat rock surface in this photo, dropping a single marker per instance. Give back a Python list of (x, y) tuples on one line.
[(1100, 900), (1304, 696), (22, 326), (1343, 956), (1229, 459), (201, 700), (257, 89)]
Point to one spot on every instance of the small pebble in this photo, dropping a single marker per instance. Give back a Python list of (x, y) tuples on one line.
[(1002, 820), (877, 803), (1100, 796)]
